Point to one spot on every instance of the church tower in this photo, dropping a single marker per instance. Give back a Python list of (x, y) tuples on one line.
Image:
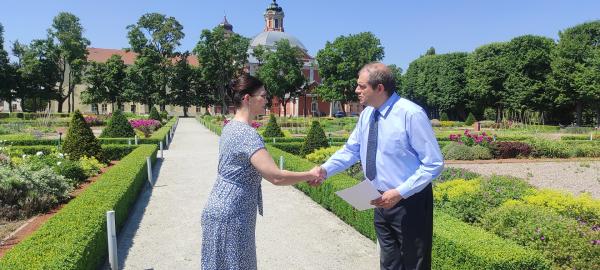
[(274, 18)]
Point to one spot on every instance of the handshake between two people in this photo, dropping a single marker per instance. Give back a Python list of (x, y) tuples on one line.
[(387, 200), (317, 176)]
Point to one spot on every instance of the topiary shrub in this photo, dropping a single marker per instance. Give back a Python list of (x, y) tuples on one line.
[(118, 127), (314, 140), (272, 129), (154, 114), (444, 117), (164, 115), (80, 140), (470, 119)]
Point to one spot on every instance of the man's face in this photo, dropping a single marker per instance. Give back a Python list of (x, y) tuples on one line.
[(366, 93)]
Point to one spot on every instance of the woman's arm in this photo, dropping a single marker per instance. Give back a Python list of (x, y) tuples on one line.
[(265, 165)]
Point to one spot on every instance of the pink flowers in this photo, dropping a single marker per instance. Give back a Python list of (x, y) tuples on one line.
[(146, 126), (471, 139), (138, 123), (93, 121)]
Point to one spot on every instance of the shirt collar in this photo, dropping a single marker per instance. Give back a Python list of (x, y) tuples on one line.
[(385, 108)]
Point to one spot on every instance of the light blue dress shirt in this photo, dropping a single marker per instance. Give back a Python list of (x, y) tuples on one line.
[(408, 155)]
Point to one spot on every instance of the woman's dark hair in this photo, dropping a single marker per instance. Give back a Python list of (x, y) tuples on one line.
[(244, 85)]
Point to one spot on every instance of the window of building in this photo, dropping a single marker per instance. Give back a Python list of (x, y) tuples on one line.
[(133, 108), (104, 108), (198, 109), (14, 107), (276, 23), (95, 108)]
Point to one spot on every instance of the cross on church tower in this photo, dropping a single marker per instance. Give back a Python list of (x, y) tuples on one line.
[(274, 18)]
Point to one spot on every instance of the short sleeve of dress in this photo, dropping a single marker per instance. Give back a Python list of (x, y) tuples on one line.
[(252, 143)]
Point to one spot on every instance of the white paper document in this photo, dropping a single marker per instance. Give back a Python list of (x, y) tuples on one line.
[(360, 195)]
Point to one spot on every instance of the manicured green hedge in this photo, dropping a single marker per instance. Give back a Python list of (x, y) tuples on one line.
[(27, 115), (111, 151), (156, 137), (10, 137), (456, 244), (216, 128), (301, 139), (75, 238), (294, 147)]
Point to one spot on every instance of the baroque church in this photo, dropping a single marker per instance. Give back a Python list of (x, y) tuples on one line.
[(305, 102)]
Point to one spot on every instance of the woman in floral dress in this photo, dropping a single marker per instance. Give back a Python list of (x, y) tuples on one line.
[(229, 217)]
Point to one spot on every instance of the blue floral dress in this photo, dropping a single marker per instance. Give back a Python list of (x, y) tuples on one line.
[(229, 217)]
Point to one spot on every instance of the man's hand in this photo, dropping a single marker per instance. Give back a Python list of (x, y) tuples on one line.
[(320, 175), (388, 199)]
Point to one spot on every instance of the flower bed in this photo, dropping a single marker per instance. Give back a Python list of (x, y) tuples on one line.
[(75, 238)]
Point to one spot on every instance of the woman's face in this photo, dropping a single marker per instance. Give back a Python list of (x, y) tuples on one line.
[(258, 100)]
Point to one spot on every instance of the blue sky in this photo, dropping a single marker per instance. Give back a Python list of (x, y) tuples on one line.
[(406, 28)]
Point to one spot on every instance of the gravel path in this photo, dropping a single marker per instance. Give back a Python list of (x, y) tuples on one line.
[(573, 176), (164, 232)]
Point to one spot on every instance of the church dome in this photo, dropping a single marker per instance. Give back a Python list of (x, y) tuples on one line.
[(268, 39)]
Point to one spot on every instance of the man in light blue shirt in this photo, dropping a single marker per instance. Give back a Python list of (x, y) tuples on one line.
[(399, 153)]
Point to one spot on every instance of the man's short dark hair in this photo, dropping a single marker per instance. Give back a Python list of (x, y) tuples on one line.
[(379, 73)]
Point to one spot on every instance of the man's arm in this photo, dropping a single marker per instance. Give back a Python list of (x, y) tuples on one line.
[(345, 157), (423, 141)]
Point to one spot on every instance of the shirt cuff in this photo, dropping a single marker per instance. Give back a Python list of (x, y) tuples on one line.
[(404, 190)]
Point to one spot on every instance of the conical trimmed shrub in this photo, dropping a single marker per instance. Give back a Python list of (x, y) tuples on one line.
[(80, 140), (444, 117), (272, 129), (470, 119), (154, 114), (314, 140), (118, 127)]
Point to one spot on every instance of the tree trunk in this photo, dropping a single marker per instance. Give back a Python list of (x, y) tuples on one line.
[(60, 102), (185, 111), (598, 117), (498, 114), (579, 110)]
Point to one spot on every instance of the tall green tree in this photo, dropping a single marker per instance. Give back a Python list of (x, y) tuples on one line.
[(182, 84), (451, 82), (529, 60), (36, 73), (281, 72), (576, 68), (223, 56), (486, 73), (106, 82), (144, 79), (67, 33), (7, 73), (397, 72), (156, 36), (421, 83), (340, 61)]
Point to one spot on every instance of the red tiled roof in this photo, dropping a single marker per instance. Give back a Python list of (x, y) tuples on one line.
[(102, 55)]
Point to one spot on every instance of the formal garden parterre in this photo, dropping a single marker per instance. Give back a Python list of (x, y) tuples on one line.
[(39, 174)]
